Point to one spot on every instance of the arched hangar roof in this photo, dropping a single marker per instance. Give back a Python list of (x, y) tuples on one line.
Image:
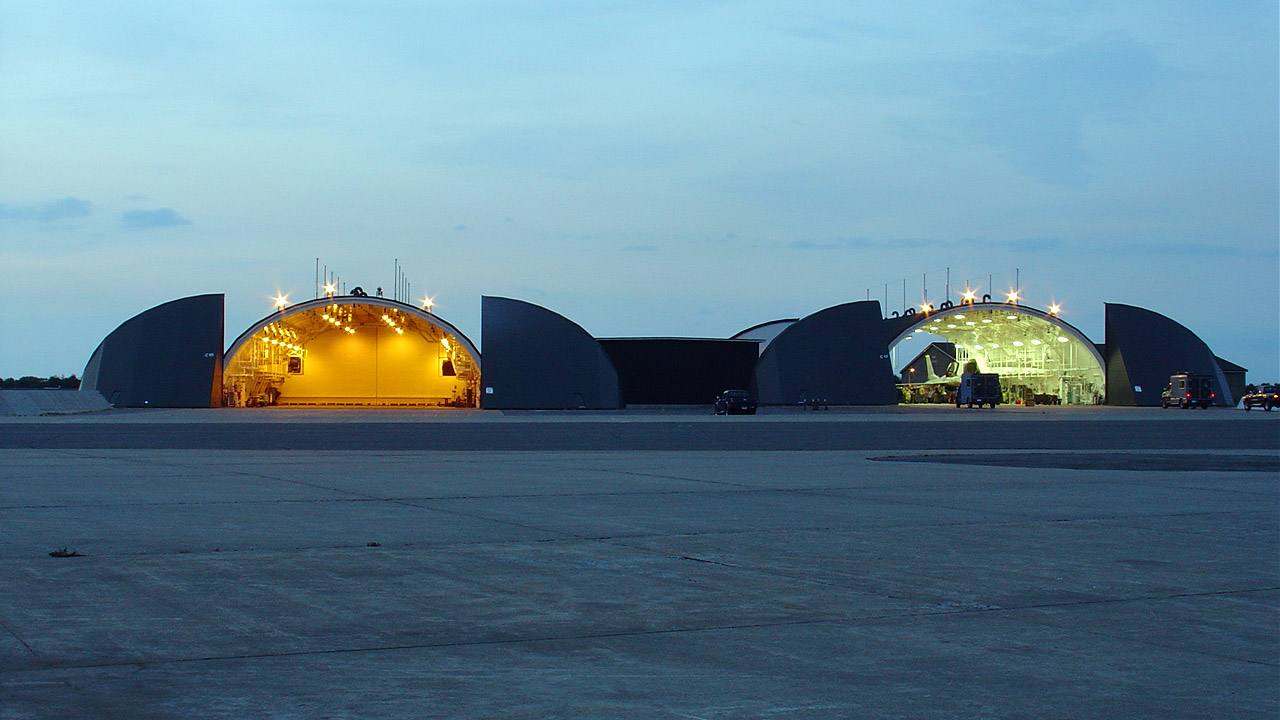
[(765, 332), (836, 354), (167, 356), (539, 359), (1144, 348), (904, 326), (320, 303)]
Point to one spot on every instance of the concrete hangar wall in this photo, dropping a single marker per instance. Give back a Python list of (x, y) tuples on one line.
[(358, 350)]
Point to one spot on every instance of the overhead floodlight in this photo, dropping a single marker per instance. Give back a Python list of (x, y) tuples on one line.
[(281, 301), (969, 296), (330, 289), (1055, 308), (1011, 297)]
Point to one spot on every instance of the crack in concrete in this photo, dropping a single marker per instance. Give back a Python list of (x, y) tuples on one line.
[(844, 619)]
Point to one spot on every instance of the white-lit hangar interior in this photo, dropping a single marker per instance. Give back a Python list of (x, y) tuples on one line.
[(374, 351), (1040, 358), (351, 350)]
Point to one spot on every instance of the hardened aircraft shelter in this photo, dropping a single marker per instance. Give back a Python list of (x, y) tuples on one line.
[(1036, 354), (374, 351), (351, 350)]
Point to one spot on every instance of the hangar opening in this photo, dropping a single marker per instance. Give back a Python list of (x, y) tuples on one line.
[(1041, 360), (351, 350)]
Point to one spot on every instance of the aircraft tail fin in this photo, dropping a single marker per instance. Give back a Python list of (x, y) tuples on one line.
[(928, 368)]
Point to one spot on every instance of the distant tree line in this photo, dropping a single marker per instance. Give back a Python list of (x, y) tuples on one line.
[(53, 382)]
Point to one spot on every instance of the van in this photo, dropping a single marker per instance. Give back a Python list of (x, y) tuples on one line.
[(980, 389), (1187, 390)]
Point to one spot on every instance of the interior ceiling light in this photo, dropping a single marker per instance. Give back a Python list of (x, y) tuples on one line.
[(951, 326), (986, 320), (1035, 342), (1017, 343), (970, 322), (1062, 339), (1010, 317), (959, 317)]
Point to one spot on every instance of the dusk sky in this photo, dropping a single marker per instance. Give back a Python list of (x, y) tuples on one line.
[(645, 168)]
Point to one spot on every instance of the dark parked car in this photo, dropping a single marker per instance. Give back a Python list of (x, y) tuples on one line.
[(1265, 397), (735, 402)]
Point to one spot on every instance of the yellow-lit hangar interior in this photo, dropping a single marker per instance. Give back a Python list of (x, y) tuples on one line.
[(1040, 358), (351, 350)]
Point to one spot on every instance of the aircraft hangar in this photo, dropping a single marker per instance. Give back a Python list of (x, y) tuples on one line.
[(355, 350)]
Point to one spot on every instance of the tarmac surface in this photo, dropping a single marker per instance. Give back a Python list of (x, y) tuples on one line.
[(898, 562)]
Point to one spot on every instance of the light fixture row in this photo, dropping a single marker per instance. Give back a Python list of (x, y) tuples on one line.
[(970, 298)]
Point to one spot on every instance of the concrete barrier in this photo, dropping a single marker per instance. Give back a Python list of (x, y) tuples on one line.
[(46, 402)]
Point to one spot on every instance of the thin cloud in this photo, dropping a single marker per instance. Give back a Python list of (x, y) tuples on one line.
[(862, 243), (68, 208), (1025, 245), (1196, 250), (151, 219)]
